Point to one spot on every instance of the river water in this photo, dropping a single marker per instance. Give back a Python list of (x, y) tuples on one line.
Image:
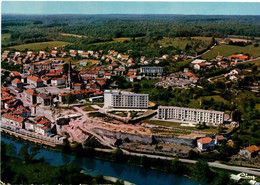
[(134, 174)]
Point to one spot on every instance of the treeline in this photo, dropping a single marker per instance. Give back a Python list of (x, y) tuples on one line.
[(106, 27)]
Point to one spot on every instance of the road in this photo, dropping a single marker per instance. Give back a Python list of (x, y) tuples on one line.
[(253, 171), (210, 79)]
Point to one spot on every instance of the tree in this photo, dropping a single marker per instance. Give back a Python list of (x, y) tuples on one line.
[(222, 179), (136, 87), (33, 152), (20, 178), (201, 171), (176, 166), (10, 149), (24, 153), (70, 98), (100, 179)]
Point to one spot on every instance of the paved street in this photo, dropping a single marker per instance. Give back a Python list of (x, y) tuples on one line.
[(253, 171)]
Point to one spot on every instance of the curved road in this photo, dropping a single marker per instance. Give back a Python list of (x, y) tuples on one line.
[(253, 171)]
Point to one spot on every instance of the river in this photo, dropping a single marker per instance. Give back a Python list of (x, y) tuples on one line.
[(134, 174)]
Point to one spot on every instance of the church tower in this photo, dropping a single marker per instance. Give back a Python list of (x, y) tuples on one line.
[(69, 84)]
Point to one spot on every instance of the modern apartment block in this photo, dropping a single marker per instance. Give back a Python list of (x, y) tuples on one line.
[(189, 114), (119, 99), (151, 70)]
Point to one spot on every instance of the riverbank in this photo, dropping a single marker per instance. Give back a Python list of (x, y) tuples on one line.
[(41, 172), (95, 167), (166, 166)]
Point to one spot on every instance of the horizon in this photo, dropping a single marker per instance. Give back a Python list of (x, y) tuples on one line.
[(133, 8)]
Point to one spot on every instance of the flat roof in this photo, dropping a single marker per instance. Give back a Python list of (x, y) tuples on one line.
[(190, 109)]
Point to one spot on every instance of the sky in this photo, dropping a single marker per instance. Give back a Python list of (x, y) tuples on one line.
[(133, 7)]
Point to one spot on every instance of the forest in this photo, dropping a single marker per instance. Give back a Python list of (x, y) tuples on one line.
[(97, 28)]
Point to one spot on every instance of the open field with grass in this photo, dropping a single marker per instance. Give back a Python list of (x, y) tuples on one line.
[(115, 40), (217, 98), (121, 39), (242, 37), (73, 35), (227, 50), (40, 45), (181, 42), (5, 38)]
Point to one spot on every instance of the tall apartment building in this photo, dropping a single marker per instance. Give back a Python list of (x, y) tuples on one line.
[(189, 114), (151, 70), (118, 99)]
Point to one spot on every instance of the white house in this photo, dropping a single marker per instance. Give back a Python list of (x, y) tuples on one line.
[(11, 119), (29, 125), (249, 152), (58, 81), (205, 143), (34, 80), (41, 129)]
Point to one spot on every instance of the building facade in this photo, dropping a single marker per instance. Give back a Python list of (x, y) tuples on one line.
[(118, 99), (189, 114), (151, 70)]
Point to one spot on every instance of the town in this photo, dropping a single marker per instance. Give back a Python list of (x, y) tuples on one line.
[(119, 101)]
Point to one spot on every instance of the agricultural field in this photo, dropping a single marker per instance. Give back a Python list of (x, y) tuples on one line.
[(5, 38), (181, 42), (40, 46), (115, 40), (227, 50), (73, 35)]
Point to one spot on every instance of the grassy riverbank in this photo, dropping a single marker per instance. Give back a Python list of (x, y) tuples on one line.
[(199, 171), (36, 171)]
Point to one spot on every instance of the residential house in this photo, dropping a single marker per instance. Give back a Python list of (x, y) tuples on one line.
[(17, 83), (176, 57), (42, 66), (31, 94), (239, 57), (11, 119), (34, 80), (29, 125), (58, 81), (219, 57), (206, 143), (45, 100), (85, 55), (249, 152), (54, 53), (165, 57), (219, 139), (108, 75), (78, 86), (235, 72)]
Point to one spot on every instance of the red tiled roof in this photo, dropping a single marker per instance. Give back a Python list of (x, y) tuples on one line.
[(219, 137), (17, 81), (189, 74), (15, 73), (252, 149), (240, 56), (34, 78), (78, 84), (204, 140), (13, 117), (30, 92)]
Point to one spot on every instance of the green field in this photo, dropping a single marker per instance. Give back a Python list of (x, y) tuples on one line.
[(216, 98), (181, 42), (227, 50), (40, 45), (5, 38)]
